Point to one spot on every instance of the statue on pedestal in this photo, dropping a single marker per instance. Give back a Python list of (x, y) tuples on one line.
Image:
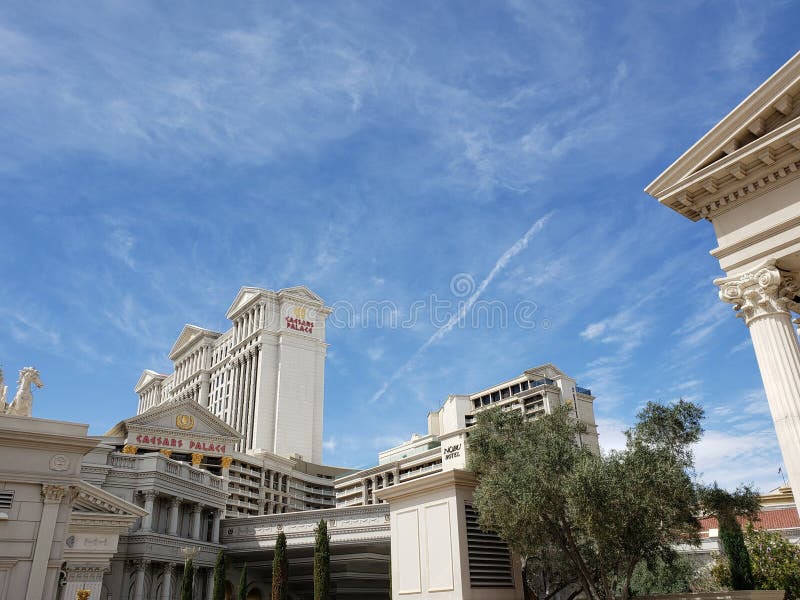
[(23, 400)]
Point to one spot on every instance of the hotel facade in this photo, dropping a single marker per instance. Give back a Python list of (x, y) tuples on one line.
[(216, 460)]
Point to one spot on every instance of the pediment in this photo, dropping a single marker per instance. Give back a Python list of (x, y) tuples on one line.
[(300, 292), (147, 378), (90, 499), (549, 371), (177, 418), (245, 296), (188, 336), (754, 147)]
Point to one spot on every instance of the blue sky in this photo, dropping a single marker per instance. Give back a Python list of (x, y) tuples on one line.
[(153, 159)]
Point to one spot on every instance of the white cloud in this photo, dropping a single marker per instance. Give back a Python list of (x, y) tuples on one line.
[(594, 330), (375, 353)]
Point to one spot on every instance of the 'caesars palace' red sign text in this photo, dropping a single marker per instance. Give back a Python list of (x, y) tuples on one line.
[(164, 442), (300, 324)]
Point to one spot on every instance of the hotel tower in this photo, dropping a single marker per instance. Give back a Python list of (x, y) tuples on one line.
[(264, 376)]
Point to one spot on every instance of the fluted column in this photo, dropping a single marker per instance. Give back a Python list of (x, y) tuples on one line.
[(205, 389), (166, 586), (52, 495), (762, 298), (141, 571), (215, 526), (172, 525), (197, 512), (149, 502), (209, 583)]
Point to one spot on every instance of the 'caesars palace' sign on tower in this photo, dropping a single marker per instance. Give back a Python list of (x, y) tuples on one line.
[(264, 376)]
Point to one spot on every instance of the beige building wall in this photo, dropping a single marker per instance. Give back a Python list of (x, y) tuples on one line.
[(40, 468)]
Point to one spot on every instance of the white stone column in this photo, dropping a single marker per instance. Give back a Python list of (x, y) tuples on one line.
[(141, 571), (166, 586), (149, 502), (174, 507), (205, 389), (197, 512), (215, 526), (762, 298), (51, 497), (209, 583)]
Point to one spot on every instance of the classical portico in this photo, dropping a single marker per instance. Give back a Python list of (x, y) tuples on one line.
[(744, 177)]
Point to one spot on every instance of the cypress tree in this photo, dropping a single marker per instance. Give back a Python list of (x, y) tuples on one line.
[(732, 538), (322, 562), (280, 569), (242, 595), (218, 592), (188, 579), (726, 507)]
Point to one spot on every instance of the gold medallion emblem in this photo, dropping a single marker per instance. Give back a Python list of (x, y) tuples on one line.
[(184, 422), (300, 312)]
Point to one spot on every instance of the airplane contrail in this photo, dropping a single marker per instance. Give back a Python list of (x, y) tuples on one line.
[(499, 265)]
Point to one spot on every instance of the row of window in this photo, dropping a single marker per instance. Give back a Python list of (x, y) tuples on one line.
[(509, 391)]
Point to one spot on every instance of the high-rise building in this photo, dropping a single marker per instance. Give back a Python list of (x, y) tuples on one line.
[(264, 376)]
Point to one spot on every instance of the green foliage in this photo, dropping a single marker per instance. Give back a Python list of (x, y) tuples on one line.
[(188, 581), (673, 428), (241, 594), (775, 562), (280, 569), (218, 591), (322, 562), (581, 519), (663, 577), (726, 507)]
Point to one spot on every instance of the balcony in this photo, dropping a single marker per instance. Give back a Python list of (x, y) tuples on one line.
[(161, 464)]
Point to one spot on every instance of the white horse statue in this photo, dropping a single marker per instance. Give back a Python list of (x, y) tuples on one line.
[(23, 401)]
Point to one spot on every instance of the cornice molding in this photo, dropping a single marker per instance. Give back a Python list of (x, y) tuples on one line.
[(743, 116), (751, 149), (428, 483)]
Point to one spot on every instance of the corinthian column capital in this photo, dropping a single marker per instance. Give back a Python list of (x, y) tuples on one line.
[(763, 291)]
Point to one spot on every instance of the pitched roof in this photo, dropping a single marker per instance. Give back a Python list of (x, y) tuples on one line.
[(188, 336), (779, 518), (756, 146)]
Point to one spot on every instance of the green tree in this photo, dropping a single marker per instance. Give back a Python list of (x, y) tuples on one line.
[(727, 507), (218, 591), (188, 580), (280, 569), (322, 562), (241, 594), (663, 577), (775, 562), (583, 521)]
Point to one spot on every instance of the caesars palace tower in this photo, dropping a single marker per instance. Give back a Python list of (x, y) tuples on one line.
[(264, 376)]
